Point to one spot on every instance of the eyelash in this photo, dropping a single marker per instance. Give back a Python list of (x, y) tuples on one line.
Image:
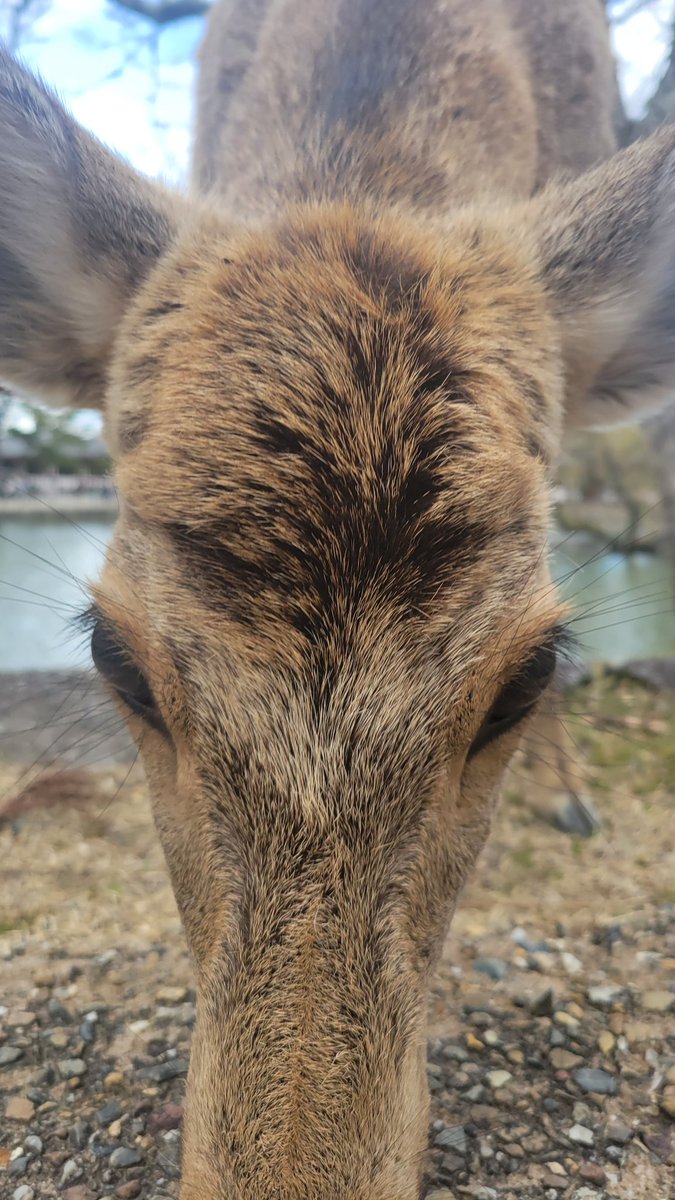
[(559, 644)]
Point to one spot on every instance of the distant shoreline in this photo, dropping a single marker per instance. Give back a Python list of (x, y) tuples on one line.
[(61, 504)]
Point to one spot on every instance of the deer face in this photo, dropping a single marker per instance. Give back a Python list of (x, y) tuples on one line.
[(326, 611)]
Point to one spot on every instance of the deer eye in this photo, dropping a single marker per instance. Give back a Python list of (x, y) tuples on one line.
[(518, 698), (113, 660)]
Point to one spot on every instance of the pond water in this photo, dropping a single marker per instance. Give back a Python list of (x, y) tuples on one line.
[(624, 603)]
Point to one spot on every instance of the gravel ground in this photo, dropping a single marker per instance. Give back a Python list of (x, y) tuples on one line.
[(552, 1020)]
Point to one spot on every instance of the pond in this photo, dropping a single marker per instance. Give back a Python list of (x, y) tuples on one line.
[(624, 603)]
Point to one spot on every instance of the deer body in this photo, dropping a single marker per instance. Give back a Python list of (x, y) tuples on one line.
[(334, 379)]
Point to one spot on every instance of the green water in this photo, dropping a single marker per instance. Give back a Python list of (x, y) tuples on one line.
[(625, 604)]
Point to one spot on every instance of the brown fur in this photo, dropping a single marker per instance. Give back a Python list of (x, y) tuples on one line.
[(334, 381)]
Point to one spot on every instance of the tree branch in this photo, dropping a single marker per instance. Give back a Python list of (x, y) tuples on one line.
[(162, 12)]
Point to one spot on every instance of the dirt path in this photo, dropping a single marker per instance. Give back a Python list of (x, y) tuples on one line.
[(552, 1035)]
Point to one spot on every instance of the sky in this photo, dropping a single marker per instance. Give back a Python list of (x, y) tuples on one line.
[(132, 84)]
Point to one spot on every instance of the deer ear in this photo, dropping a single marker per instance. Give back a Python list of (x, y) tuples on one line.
[(79, 231), (607, 242)]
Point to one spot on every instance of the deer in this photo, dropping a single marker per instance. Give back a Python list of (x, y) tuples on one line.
[(335, 373)]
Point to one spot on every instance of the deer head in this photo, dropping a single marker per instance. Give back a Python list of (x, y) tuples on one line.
[(326, 610)]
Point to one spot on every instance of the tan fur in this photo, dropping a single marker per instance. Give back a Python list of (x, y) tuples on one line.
[(334, 380)]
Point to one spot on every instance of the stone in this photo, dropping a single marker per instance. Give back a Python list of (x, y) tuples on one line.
[(542, 1005), (112, 1080), (70, 1172), (452, 1137), (125, 1156), (110, 1112), (564, 1060), (473, 1042), (455, 1053), (9, 1055), (581, 1136), (658, 1002), (71, 1068), (19, 1018), (18, 1166), (494, 968), (557, 1182), (606, 1042), (590, 1079), (498, 1079), (618, 1132), (605, 996), (667, 1105), (585, 1193), (78, 1134), (79, 1192), (566, 1020), (592, 1173), (171, 995), (127, 1191), (570, 963), (33, 1144), (19, 1109), (23, 1192), (163, 1071)]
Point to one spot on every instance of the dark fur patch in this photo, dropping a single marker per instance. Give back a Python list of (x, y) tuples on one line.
[(362, 512), (132, 428)]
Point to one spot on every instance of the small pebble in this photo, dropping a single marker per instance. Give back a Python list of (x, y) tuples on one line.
[(128, 1191), (593, 1080), (592, 1173), (605, 996), (581, 1136), (658, 1002), (112, 1080), (33, 1144), (452, 1137), (19, 1109), (494, 968), (606, 1042), (564, 1060), (498, 1079), (571, 964), (618, 1132), (171, 995), (566, 1020), (23, 1192), (542, 1006), (110, 1112), (10, 1054), (70, 1068), (18, 1166), (71, 1171), (125, 1156)]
